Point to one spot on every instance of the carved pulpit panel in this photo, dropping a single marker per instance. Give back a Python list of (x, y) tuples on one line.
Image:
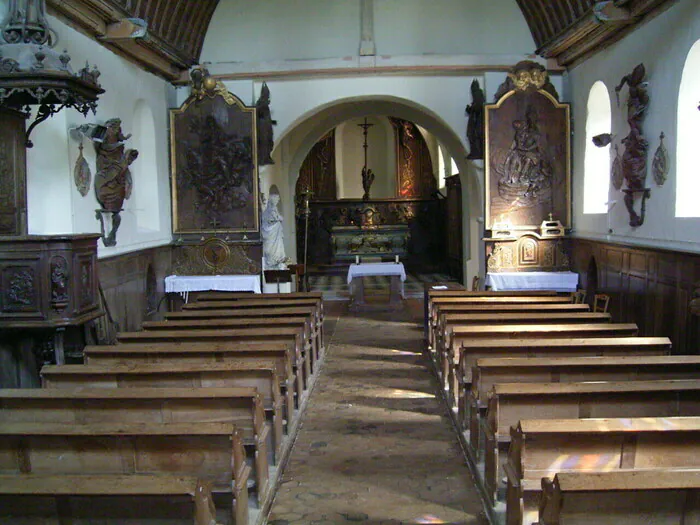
[(13, 167), (214, 167)]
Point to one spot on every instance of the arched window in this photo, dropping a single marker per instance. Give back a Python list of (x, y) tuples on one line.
[(596, 177), (687, 171), (146, 199)]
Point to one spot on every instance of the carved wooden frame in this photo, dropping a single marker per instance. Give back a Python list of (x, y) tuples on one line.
[(499, 133), (230, 101)]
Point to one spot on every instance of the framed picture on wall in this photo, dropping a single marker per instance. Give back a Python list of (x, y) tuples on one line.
[(528, 173)]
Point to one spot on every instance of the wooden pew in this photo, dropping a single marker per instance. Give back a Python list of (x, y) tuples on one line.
[(235, 296), (511, 402), (486, 372), (239, 406), (449, 320), (631, 497), (259, 374), (290, 335), (280, 354), (58, 499), (457, 335), (437, 303), (435, 321), (542, 449), (227, 323), (204, 450), (240, 313), (547, 349), (258, 302)]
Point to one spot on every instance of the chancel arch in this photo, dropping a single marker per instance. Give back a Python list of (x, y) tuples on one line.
[(307, 132)]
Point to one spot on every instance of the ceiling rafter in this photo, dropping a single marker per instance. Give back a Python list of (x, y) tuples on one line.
[(568, 30)]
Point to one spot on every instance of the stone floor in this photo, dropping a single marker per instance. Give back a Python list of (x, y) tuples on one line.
[(376, 445)]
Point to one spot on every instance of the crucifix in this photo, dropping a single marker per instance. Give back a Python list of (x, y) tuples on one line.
[(367, 175)]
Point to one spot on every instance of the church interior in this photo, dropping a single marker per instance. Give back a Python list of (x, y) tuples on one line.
[(374, 261)]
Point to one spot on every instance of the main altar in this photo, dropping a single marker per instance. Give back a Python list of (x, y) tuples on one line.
[(401, 214)]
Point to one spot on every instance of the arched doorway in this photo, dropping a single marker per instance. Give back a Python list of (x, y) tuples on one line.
[(302, 135)]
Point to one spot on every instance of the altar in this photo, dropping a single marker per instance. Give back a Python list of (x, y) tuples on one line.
[(395, 271)]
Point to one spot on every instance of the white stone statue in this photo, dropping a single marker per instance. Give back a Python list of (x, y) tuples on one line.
[(273, 238)]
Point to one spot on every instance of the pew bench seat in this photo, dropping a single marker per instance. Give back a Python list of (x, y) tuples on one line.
[(544, 448), (109, 499)]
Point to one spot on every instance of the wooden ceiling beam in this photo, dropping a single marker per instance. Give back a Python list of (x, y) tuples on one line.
[(583, 33)]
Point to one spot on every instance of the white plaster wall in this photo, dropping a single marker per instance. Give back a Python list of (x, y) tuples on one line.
[(55, 206), (416, 27), (349, 170), (274, 30), (244, 31), (662, 45)]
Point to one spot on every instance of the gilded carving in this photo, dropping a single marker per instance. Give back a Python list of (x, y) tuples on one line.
[(215, 253), (528, 251), (413, 164), (81, 173), (524, 76), (206, 86), (242, 259)]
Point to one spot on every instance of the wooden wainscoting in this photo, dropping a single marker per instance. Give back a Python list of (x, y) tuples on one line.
[(647, 286), (133, 285)]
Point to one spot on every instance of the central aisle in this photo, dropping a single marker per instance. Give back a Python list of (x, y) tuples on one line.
[(376, 444)]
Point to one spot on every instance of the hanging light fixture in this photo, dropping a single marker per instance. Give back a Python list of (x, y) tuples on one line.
[(33, 73)]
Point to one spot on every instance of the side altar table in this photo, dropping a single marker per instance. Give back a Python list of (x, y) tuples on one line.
[(184, 284), (557, 281), (356, 274)]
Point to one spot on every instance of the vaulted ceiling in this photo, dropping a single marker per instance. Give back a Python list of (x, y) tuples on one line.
[(565, 30)]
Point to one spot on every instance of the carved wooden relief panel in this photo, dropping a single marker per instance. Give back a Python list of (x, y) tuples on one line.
[(214, 167), (48, 281), (13, 189), (317, 173), (527, 159), (414, 167)]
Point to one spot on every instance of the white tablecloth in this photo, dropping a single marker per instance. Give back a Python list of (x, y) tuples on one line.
[(558, 281), (388, 268), (184, 284), (376, 269)]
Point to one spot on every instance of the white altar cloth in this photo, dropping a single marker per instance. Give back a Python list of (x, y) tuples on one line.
[(377, 269), (184, 284), (557, 281)]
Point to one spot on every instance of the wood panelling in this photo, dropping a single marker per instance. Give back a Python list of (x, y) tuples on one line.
[(648, 286), (126, 285)]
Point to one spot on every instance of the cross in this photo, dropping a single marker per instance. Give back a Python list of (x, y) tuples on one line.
[(214, 223), (365, 127), (551, 218)]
